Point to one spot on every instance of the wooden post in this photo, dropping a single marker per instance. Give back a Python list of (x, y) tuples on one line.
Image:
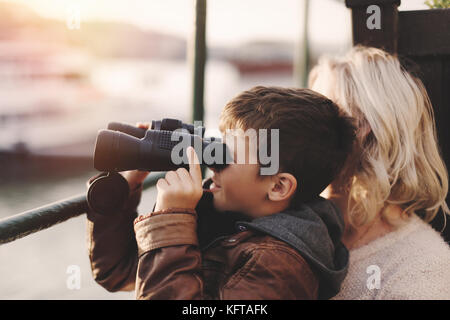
[(302, 54), (198, 56)]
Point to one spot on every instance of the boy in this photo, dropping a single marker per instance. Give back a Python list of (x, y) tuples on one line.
[(247, 236)]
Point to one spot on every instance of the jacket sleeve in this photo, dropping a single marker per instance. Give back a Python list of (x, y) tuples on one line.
[(112, 246), (170, 261)]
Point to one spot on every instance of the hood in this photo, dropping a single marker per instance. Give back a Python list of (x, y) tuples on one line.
[(314, 229)]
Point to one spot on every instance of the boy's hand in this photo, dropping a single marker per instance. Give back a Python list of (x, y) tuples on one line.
[(180, 188)]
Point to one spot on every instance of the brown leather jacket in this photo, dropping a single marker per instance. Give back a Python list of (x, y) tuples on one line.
[(158, 255)]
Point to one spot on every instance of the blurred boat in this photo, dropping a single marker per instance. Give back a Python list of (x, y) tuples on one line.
[(263, 57), (53, 102)]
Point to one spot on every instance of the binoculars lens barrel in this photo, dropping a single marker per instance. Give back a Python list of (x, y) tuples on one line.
[(119, 151), (116, 151), (166, 124), (128, 129), (126, 147)]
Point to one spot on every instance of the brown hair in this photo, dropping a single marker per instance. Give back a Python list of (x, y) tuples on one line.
[(315, 137)]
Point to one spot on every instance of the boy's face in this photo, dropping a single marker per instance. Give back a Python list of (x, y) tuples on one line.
[(239, 187)]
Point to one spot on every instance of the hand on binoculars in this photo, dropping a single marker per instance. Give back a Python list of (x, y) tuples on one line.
[(181, 188), (136, 177)]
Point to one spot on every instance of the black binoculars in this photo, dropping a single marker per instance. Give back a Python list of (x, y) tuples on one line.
[(162, 147)]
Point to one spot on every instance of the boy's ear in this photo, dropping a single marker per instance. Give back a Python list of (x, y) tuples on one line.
[(283, 187)]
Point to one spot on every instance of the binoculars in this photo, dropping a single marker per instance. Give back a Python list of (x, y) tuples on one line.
[(162, 147)]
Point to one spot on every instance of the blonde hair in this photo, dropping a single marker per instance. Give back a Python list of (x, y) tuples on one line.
[(396, 158)]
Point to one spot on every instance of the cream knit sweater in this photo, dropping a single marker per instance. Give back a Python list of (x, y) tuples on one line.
[(412, 262)]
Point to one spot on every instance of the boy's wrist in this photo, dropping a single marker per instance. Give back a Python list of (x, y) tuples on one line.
[(166, 211), (165, 230), (162, 206)]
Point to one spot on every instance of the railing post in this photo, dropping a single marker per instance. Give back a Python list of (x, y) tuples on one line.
[(198, 58), (301, 57)]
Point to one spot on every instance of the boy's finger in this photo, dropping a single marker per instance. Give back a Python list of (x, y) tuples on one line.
[(194, 166), (172, 178), (184, 176), (162, 184)]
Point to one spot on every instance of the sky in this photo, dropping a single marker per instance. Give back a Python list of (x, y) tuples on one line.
[(229, 22)]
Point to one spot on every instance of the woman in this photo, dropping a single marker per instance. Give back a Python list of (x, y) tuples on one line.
[(395, 182)]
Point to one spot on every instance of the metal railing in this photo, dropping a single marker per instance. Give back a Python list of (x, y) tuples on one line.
[(31, 221)]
